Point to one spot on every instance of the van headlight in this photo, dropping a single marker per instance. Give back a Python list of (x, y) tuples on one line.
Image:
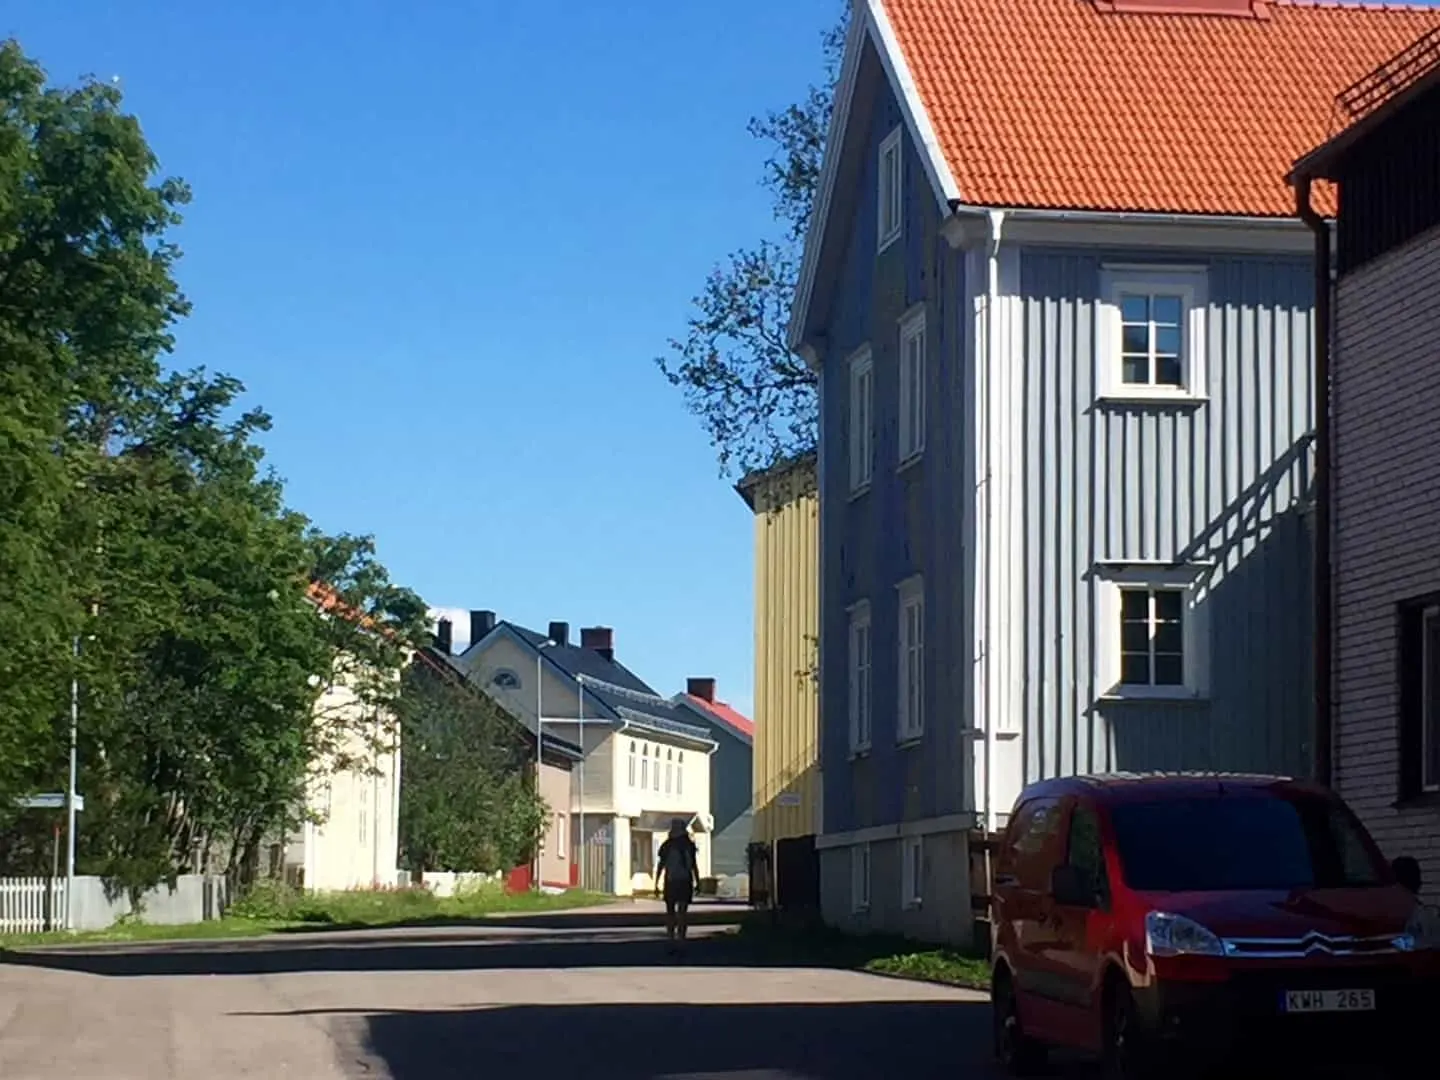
[(1175, 935), (1422, 930)]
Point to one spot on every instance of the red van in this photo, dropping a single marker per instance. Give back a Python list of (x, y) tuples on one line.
[(1167, 920)]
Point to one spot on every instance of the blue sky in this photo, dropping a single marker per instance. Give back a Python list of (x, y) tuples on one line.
[(441, 243)]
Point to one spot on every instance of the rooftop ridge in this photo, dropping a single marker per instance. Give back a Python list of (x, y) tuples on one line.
[(1371, 6), (1395, 75)]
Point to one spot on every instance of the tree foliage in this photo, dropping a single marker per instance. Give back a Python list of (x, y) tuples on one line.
[(139, 521), (468, 800), (755, 398)]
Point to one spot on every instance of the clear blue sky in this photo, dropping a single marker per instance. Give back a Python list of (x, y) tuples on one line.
[(441, 243)]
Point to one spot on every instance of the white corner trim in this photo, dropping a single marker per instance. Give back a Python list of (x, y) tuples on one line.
[(868, 22)]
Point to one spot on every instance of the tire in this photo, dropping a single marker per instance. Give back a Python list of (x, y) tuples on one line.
[(1126, 1054), (1015, 1052)]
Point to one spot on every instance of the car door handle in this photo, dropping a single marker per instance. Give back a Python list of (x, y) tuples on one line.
[(1006, 879)]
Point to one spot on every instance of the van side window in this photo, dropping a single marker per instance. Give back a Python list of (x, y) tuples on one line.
[(1085, 851), (1035, 849)]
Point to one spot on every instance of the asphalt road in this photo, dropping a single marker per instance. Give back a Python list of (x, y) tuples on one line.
[(580, 995)]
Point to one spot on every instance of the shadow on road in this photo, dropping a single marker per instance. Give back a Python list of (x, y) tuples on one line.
[(915, 1040), (620, 915), (552, 941)]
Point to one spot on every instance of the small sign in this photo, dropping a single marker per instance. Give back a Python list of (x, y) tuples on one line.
[(51, 801), (788, 798)]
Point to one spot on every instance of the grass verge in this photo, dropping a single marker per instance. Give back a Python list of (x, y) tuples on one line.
[(882, 954), (270, 909)]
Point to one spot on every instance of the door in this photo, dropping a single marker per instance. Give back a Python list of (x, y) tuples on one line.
[(1078, 931), (1022, 888)]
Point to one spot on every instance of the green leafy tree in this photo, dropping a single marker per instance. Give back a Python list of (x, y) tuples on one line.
[(468, 800), (754, 397)]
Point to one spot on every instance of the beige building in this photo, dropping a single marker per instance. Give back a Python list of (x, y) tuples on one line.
[(787, 724), (643, 762)]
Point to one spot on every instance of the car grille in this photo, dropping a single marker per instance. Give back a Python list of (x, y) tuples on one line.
[(1311, 945)]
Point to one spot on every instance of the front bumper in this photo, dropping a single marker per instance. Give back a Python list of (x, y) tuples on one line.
[(1245, 1014)]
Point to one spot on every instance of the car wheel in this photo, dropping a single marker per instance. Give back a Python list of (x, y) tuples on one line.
[(1127, 1053), (1017, 1054)]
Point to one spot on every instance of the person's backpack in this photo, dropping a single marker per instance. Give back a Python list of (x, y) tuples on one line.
[(679, 860)]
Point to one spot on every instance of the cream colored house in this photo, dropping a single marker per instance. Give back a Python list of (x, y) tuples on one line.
[(351, 836), (643, 763)]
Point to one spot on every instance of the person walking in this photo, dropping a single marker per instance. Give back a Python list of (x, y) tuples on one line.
[(678, 866)]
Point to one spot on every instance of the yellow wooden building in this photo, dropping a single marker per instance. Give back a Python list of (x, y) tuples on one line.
[(786, 505)]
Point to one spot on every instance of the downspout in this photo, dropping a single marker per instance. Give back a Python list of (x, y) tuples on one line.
[(995, 222), (1324, 602)]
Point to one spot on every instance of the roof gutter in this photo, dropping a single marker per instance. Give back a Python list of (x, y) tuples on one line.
[(1128, 217), (1323, 758)]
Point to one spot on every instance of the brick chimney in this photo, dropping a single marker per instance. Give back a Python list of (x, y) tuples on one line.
[(704, 689), (481, 623), (599, 638), (444, 636), (560, 633)]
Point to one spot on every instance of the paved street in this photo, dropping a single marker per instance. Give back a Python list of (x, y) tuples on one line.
[(574, 995)]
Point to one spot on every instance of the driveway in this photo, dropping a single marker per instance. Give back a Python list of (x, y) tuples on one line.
[(578, 995)]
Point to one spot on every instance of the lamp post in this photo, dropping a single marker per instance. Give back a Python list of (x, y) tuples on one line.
[(539, 735), (580, 686)]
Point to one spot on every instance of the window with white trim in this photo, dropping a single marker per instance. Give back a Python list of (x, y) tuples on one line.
[(680, 773), (862, 419), (912, 871), (859, 676), (655, 776), (1152, 636), (561, 849), (1152, 629), (633, 764), (911, 705), (1152, 331), (912, 384), (645, 768), (860, 878), (890, 212), (669, 770)]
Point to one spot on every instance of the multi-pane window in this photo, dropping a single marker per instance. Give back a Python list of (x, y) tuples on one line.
[(912, 659), (862, 419), (1152, 331), (912, 385), (633, 765), (1152, 637), (890, 214), (860, 878), (912, 881), (1152, 339), (859, 677)]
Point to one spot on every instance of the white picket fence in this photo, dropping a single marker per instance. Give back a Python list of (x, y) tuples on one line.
[(31, 905)]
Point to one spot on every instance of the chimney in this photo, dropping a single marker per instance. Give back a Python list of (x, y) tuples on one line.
[(560, 633), (704, 689), (444, 636), (481, 623), (599, 638)]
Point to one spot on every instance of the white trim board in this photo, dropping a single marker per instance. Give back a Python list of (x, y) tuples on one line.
[(962, 823)]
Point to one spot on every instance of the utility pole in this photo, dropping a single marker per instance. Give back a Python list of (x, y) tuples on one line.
[(70, 792)]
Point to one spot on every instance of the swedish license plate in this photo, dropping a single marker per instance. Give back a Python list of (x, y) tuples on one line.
[(1328, 1001)]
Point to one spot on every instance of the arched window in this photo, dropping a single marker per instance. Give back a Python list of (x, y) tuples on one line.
[(633, 766), (669, 771), (645, 768)]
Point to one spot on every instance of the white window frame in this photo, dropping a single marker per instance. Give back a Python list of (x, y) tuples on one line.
[(860, 429), (1429, 711), (910, 722), (1109, 581), (1191, 284), (859, 878), (561, 848), (890, 189), (645, 768), (860, 669), (912, 872), (669, 771), (680, 772), (913, 362), (634, 765)]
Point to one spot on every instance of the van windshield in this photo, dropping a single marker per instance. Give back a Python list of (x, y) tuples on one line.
[(1219, 843)]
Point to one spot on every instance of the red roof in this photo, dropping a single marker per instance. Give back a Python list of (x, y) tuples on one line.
[(1123, 105), (724, 712)]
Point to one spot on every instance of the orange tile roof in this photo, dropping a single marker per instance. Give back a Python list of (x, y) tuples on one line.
[(1057, 104)]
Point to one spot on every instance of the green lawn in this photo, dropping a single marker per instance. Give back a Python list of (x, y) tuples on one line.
[(882, 954), (269, 910)]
